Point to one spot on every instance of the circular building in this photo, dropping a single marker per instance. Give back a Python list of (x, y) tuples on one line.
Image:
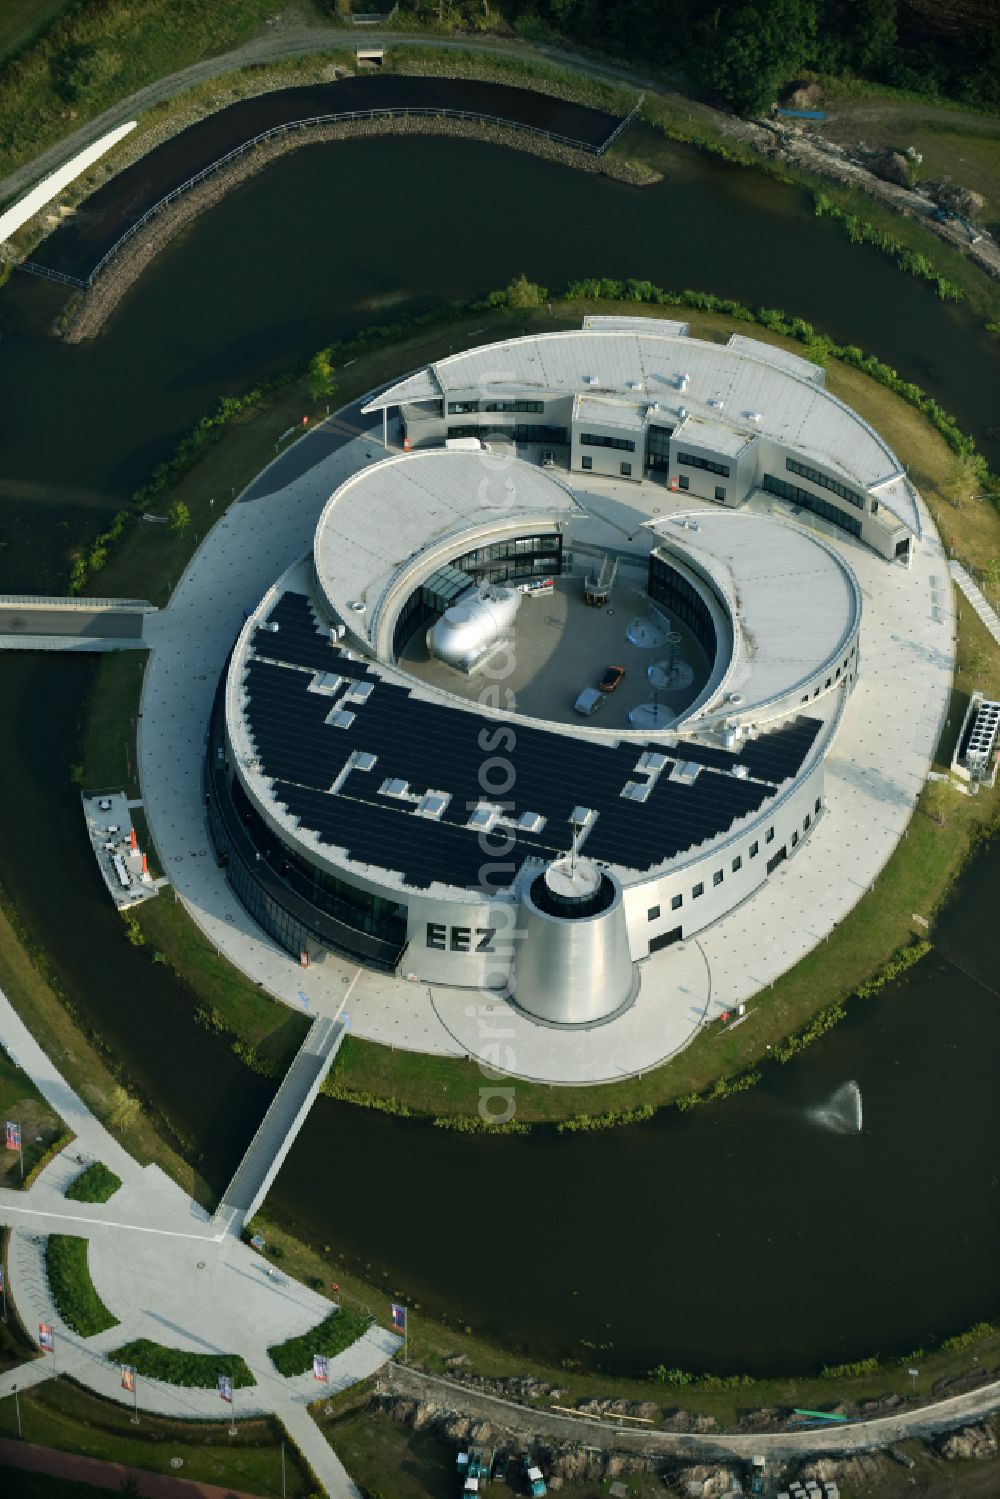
[(412, 760)]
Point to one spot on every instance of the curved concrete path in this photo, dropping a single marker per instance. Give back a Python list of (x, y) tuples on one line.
[(875, 771), (169, 1273), (781, 1446)]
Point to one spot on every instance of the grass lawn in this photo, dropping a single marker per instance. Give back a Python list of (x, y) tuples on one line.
[(23, 981), (22, 20), (176, 1366), (72, 1288), (914, 881), (97, 1184), (335, 1333), (65, 1416), (21, 1102), (431, 1343)]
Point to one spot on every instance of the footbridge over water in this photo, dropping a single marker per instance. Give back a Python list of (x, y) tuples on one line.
[(33, 622), (282, 1122)]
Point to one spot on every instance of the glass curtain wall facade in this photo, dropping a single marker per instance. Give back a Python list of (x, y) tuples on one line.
[(811, 502), (682, 601)]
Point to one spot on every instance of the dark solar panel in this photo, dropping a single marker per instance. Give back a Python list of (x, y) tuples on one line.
[(432, 746)]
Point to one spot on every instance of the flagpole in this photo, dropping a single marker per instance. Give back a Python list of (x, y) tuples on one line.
[(135, 1398), (20, 1150)]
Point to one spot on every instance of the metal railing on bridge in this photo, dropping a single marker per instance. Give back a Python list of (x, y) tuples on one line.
[(312, 122)]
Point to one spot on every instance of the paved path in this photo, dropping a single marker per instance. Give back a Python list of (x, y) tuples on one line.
[(860, 1436), (169, 1273), (973, 593), (875, 771), (68, 1465)]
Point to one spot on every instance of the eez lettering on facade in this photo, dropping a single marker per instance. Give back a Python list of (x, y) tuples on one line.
[(459, 938)]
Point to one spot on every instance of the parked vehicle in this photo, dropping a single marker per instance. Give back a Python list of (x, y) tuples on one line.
[(612, 678), (589, 701), (535, 1483)]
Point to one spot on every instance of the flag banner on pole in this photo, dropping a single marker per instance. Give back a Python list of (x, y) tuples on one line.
[(257, 1240), (13, 1135), (321, 1366), (46, 1337), (128, 1378), (225, 1388), (399, 1318), (1, 1276)]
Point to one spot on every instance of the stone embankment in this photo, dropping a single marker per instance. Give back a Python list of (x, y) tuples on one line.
[(96, 305), (782, 143), (605, 1438)]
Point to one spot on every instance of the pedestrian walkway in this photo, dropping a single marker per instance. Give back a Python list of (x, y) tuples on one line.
[(974, 594), (168, 1272), (282, 1122), (36, 623)]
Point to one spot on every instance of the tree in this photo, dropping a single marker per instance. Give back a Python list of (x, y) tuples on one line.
[(745, 54), (320, 375), (179, 516)]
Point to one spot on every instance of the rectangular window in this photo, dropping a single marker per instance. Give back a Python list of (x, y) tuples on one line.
[(720, 493), (693, 460), (795, 837), (808, 501), (737, 864), (598, 440), (806, 823), (717, 877), (586, 462), (653, 914), (676, 902), (684, 482), (754, 850), (626, 470), (699, 889), (819, 803), (825, 482), (769, 836)]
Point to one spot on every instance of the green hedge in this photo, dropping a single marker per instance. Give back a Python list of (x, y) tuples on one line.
[(96, 1184), (335, 1333), (72, 1289), (174, 1366)]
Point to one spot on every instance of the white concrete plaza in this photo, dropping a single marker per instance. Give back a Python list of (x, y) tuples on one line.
[(874, 773)]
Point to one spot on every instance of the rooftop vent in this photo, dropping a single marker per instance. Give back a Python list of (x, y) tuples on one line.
[(339, 719), (718, 404), (636, 791), (682, 412), (531, 822), (432, 804), (481, 819), (683, 382), (357, 606), (633, 384), (273, 626), (580, 816), (364, 761), (687, 771), (651, 762), (591, 379), (741, 772), (326, 682), (754, 416), (394, 787), (359, 693), (337, 632)]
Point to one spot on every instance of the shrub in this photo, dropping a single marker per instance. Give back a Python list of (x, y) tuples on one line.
[(72, 1289), (335, 1333), (97, 1184), (175, 1366)]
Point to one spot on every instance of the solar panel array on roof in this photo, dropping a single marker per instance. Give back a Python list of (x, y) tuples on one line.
[(293, 702)]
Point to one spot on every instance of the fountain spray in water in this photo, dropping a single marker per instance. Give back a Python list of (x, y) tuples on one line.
[(842, 1111)]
